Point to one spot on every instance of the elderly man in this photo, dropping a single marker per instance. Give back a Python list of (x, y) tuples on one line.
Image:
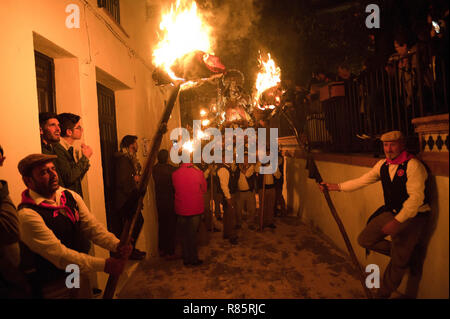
[(404, 213), (54, 225)]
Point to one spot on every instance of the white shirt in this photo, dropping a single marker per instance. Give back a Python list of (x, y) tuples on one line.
[(66, 145), (415, 186), (268, 178), (224, 178), (41, 240)]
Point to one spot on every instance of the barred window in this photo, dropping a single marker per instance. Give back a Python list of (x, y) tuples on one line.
[(112, 6)]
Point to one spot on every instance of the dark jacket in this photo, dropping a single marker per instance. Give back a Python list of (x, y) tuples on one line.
[(164, 191), (12, 281), (70, 172), (47, 148), (124, 183)]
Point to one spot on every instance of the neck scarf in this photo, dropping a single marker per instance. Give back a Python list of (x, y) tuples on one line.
[(74, 217), (403, 157)]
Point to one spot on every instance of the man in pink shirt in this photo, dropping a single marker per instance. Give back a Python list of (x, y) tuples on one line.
[(190, 185)]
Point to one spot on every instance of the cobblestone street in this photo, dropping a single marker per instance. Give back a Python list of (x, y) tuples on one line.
[(289, 262)]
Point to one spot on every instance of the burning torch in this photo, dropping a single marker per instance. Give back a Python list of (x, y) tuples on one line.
[(183, 58), (269, 100)]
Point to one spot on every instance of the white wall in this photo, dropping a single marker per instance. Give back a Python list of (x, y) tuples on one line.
[(80, 55), (306, 201)]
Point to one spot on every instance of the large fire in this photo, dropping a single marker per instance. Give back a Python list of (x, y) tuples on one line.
[(267, 84), (184, 32)]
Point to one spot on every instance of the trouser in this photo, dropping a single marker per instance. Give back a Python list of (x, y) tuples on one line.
[(137, 229), (269, 204), (229, 218), (400, 249), (188, 226), (209, 223), (246, 200), (167, 220), (218, 199), (279, 199), (57, 289)]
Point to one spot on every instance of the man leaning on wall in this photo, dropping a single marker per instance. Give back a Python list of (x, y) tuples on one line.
[(404, 214)]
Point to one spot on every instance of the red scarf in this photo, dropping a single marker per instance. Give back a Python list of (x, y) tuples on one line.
[(74, 217), (403, 157)]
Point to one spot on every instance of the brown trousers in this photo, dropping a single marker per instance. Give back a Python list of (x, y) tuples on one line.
[(230, 218), (246, 201), (269, 205), (400, 249)]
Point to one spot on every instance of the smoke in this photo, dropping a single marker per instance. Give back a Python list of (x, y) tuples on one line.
[(231, 20), (233, 23)]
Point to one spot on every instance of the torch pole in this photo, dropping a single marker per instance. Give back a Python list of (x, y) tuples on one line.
[(211, 199), (261, 209), (129, 224), (314, 173)]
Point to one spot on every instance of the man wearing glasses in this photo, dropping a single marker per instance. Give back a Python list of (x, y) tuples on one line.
[(72, 164)]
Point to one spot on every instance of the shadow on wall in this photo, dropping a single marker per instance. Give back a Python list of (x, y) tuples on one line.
[(420, 253)]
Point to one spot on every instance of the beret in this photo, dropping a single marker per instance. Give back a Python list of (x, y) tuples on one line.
[(392, 136), (26, 165)]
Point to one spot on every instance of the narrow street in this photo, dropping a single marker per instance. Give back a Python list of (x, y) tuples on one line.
[(289, 262)]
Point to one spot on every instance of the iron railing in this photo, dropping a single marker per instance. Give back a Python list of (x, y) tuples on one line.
[(112, 6), (378, 101)]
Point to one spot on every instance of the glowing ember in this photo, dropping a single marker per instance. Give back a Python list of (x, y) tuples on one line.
[(206, 122), (202, 112), (268, 78), (184, 31), (200, 135)]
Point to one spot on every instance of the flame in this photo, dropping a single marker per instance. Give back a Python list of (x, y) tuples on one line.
[(200, 135), (268, 77), (189, 146), (202, 112), (184, 31), (206, 122)]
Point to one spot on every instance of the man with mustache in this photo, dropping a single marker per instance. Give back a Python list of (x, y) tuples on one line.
[(404, 213), (55, 223), (50, 132)]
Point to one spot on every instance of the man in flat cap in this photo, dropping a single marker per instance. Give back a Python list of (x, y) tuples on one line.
[(54, 227), (404, 213)]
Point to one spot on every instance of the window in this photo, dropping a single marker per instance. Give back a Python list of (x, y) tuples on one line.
[(112, 6), (45, 82)]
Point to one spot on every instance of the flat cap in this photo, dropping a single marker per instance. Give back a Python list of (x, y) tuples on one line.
[(27, 164), (392, 136)]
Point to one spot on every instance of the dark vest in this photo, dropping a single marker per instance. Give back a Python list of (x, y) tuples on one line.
[(394, 192), (39, 269), (233, 180)]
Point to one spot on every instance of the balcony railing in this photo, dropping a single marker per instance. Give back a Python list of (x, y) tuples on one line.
[(112, 6), (349, 116)]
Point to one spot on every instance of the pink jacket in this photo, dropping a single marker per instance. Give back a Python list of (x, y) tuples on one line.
[(190, 185)]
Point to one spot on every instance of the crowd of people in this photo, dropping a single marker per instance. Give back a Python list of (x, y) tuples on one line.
[(212, 194), (52, 226)]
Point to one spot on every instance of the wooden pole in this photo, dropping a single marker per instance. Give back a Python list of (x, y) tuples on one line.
[(129, 224), (314, 173), (261, 209), (211, 198)]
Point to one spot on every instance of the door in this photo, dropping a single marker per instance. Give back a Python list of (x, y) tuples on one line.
[(108, 143)]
